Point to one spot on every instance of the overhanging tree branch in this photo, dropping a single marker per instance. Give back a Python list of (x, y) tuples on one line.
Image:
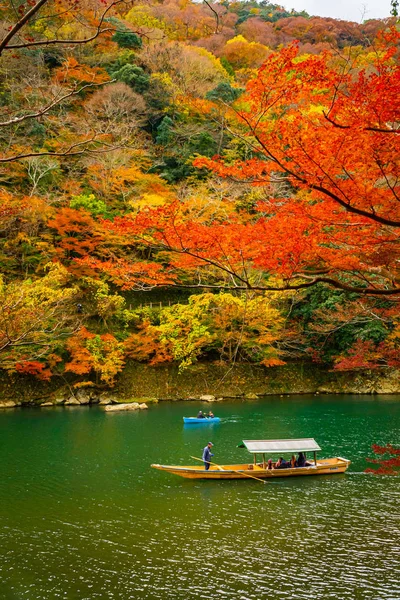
[(4, 44), (52, 104), (27, 16)]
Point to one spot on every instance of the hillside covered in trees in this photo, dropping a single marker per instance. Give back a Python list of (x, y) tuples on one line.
[(185, 181)]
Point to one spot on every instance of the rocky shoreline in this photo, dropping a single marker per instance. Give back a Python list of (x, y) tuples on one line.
[(107, 400), (205, 382)]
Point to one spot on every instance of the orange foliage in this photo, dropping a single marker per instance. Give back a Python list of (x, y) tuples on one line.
[(35, 368), (81, 362), (146, 345), (102, 354), (78, 231), (328, 131), (126, 274), (72, 71)]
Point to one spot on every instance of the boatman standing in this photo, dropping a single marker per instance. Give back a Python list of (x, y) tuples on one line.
[(207, 455)]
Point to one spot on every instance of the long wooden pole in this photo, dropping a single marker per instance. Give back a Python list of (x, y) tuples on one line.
[(219, 466)]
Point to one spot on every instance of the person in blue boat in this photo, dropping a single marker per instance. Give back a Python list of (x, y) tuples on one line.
[(207, 456), (200, 415), (210, 415)]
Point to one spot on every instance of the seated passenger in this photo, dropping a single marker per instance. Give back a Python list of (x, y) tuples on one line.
[(270, 466), (301, 461), (210, 415), (293, 462), (281, 463), (200, 415)]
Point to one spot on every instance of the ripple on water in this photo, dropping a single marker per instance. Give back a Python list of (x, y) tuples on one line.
[(85, 519)]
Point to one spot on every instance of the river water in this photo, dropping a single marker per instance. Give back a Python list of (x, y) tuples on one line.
[(83, 516)]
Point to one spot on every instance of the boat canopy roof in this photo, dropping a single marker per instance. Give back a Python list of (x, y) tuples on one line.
[(278, 446)]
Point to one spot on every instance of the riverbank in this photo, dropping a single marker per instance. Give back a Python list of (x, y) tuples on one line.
[(142, 383)]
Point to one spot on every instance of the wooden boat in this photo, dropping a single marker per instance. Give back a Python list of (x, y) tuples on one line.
[(204, 421), (260, 448)]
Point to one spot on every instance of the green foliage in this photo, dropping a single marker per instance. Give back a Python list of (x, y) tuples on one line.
[(127, 39), (227, 66), (374, 331), (133, 76), (181, 150), (223, 325), (52, 57), (116, 61), (36, 316), (203, 144), (165, 134), (100, 301), (333, 320), (89, 203), (319, 297), (225, 92), (37, 130)]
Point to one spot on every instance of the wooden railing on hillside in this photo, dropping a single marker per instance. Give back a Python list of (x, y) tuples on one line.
[(159, 304)]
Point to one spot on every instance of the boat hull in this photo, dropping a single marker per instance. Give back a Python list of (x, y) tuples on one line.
[(327, 466), (196, 421)]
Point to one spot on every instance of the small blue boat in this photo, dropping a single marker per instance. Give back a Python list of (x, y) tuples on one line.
[(195, 420)]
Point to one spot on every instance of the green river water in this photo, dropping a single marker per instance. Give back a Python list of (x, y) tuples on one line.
[(83, 516)]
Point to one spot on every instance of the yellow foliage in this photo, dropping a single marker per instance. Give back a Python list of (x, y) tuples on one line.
[(141, 16), (215, 62), (148, 200), (163, 78), (237, 38)]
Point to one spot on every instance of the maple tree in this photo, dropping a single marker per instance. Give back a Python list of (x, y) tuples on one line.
[(35, 317), (328, 128), (89, 352), (388, 463), (77, 231)]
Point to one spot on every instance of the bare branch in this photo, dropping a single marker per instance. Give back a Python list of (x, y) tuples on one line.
[(376, 129), (216, 16), (20, 24), (4, 45), (370, 291), (52, 104), (68, 152)]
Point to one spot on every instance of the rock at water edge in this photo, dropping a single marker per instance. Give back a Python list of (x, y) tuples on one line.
[(8, 404), (120, 407), (207, 398)]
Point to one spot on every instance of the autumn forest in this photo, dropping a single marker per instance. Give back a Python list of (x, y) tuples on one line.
[(196, 181)]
